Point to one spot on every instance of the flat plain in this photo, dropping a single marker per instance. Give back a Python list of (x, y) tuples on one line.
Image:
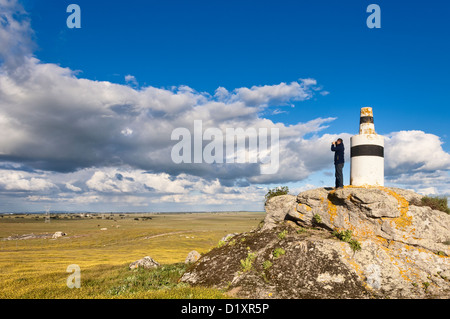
[(103, 245)]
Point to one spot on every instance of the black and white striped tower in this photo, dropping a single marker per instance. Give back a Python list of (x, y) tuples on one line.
[(367, 153)]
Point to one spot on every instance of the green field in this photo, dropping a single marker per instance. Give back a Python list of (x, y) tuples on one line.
[(36, 268)]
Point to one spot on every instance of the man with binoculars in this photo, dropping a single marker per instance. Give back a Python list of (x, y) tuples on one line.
[(338, 149)]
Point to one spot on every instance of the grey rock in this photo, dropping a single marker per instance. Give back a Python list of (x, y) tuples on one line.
[(404, 248), (58, 234), (279, 207), (146, 262), (192, 257)]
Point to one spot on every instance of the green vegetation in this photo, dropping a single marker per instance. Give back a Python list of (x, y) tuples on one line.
[(435, 202), (165, 277), (267, 264), (283, 190), (278, 252), (317, 219), (36, 268), (346, 235), (355, 245), (247, 263), (282, 235), (221, 243)]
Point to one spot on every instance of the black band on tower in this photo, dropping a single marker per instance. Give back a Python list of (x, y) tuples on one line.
[(367, 150), (366, 119)]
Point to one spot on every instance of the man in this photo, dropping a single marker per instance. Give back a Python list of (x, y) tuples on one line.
[(338, 149)]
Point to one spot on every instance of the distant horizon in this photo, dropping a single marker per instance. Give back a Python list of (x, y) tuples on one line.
[(107, 212)]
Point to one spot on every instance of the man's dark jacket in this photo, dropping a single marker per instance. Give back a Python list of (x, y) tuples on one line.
[(338, 150)]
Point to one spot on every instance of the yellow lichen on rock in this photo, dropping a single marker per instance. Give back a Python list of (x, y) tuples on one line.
[(404, 220), (308, 208), (332, 211)]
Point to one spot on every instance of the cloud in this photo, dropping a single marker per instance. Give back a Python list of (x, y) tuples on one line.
[(126, 189), (414, 151), (427, 183), (73, 188), (269, 95), (131, 79), (135, 181), (58, 122), (15, 181), (15, 35)]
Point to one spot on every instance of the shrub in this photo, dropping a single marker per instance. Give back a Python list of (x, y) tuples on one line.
[(283, 234), (346, 235), (267, 264), (277, 252), (436, 203), (232, 242), (247, 263), (317, 219), (221, 244), (354, 245), (283, 190), (164, 277)]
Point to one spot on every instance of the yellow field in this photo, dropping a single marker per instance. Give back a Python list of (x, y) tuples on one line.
[(36, 268)]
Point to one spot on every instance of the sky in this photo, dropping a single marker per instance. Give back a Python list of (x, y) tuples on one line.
[(87, 114)]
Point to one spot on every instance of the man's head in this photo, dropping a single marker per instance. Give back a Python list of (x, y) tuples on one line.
[(339, 141)]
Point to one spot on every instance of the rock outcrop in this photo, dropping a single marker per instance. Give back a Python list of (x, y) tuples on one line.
[(29, 236), (399, 249), (146, 262)]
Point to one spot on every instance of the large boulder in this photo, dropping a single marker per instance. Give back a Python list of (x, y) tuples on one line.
[(146, 263), (279, 207), (297, 253)]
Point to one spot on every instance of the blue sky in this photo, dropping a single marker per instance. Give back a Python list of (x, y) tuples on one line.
[(401, 70)]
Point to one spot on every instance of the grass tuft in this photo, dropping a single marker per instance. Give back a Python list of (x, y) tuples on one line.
[(346, 235)]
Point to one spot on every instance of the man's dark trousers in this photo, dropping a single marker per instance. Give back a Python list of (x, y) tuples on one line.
[(339, 175)]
